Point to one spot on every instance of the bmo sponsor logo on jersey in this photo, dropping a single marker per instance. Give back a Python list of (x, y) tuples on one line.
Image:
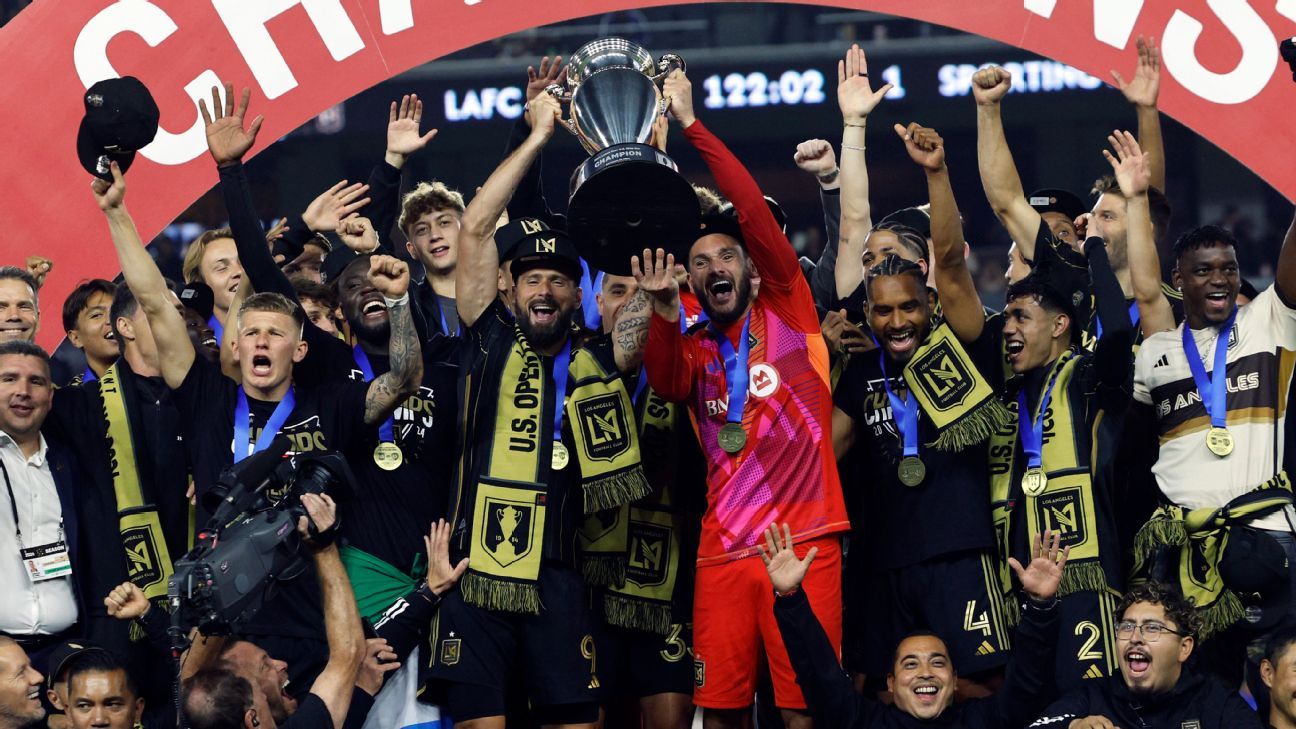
[(762, 380)]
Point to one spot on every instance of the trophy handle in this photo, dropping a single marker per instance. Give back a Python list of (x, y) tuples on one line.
[(563, 96), (669, 62)]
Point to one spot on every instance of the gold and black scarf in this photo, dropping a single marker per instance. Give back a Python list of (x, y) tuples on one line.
[(512, 456), (1202, 536), (952, 392), (148, 561)]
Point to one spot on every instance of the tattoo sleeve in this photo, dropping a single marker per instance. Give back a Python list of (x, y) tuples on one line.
[(630, 333), (389, 389)]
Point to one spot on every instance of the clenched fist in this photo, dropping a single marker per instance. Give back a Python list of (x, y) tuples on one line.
[(989, 85)]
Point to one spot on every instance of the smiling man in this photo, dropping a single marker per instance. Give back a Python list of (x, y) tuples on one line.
[(431, 217), (19, 306), (1156, 631), (20, 688), (89, 327)]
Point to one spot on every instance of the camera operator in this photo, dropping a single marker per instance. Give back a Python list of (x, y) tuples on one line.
[(228, 696)]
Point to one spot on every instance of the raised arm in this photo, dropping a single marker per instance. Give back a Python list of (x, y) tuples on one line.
[(666, 354), (1131, 167), (529, 199), (1027, 681), (1142, 91), (391, 277), (960, 303), (1003, 186), (403, 140), (1112, 360), (816, 157), (175, 350), (856, 99), (477, 272)]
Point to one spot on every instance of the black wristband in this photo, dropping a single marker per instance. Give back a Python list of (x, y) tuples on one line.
[(1030, 603), (1092, 241)]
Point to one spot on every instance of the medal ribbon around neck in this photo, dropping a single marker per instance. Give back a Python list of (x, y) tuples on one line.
[(386, 431), (562, 361), (1032, 438), (1213, 383), (1133, 314), (735, 370), (243, 424), (904, 411)]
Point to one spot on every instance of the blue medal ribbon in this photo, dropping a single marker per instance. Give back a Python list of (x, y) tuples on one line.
[(905, 412), (735, 368), (386, 433), (642, 384), (562, 360), (1032, 438), (1133, 315), (243, 424), (88, 376), (217, 329), (1213, 384)]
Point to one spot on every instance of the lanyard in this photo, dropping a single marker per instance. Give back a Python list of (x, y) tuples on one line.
[(13, 502), (217, 329), (445, 328), (735, 368), (1032, 438), (243, 423), (1216, 380), (559, 381), (386, 433), (905, 412), (1133, 315)]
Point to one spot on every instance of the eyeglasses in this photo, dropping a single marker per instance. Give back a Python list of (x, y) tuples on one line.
[(1151, 631)]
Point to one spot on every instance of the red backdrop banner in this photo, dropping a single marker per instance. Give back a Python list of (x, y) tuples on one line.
[(1223, 78)]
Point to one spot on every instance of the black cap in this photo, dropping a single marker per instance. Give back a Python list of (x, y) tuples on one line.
[(508, 235), (121, 118), (720, 224), (1065, 279), (1255, 568), (546, 249), (1054, 200), (916, 218), (197, 296), (337, 261), (61, 657)]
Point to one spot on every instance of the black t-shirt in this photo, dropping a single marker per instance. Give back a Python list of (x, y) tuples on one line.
[(950, 510), (311, 713)]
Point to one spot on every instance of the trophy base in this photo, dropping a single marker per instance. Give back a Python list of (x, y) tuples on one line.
[(626, 198)]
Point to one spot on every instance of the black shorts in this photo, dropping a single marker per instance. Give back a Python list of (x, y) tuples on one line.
[(1086, 647), (957, 596), (474, 650), (638, 663)]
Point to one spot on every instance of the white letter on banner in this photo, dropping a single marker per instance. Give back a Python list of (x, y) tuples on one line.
[(1253, 71), (1113, 19), (246, 24), (153, 25), (396, 16)]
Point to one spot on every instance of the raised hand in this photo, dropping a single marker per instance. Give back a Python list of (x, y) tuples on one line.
[(389, 275), (379, 660), (441, 574), (1129, 164), (110, 196), (656, 277), (39, 267), (990, 85), (550, 73), (855, 94), (544, 112), (1142, 90), (403, 122), (816, 156), (358, 234), (678, 92), (924, 145), (227, 140), (277, 230), (785, 571), (325, 213), (126, 602), (1040, 579)]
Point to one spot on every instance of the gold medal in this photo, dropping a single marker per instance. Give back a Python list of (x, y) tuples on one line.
[(1034, 481), (732, 438), (1219, 441), (560, 457), (388, 456), (912, 470)]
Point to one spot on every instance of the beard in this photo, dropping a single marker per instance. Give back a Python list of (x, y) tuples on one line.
[(544, 336), (742, 298)]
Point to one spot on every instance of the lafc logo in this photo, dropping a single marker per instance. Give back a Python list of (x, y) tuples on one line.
[(650, 554), (546, 245), (603, 423), (944, 376), (142, 561), (531, 226), (1062, 512), (763, 380)]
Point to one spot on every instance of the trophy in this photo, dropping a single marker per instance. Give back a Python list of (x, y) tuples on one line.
[(628, 195)]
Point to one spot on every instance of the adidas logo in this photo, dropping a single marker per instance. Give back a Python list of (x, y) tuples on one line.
[(985, 648), (1094, 672), (1163, 362)]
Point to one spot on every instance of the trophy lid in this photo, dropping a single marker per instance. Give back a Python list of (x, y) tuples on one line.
[(608, 53)]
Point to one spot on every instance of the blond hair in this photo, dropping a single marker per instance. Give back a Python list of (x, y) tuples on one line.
[(192, 268)]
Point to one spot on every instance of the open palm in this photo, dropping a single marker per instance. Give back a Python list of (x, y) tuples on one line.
[(855, 94), (227, 140), (403, 123), (1040, 578), (1142, 90), (1129, 164), (785, 571)]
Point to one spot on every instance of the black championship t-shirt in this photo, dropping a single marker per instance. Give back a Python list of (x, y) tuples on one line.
[(311, 713), (950, 510)]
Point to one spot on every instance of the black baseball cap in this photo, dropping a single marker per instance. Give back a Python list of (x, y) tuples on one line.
[(916, 218), (337, 261), (197, 296), (1255, 567), (1065, 279), (120, 118), (61, 657), (720, 224), (546, 249), (1055, 200), (508, 235)]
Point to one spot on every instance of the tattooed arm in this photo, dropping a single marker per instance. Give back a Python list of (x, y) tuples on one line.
[(391, 277), (631, 332)]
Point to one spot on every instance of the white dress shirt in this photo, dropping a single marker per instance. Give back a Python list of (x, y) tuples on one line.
[(31, 607)]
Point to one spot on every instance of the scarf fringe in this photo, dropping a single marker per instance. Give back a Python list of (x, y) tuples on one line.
[(1226, 610), (1012, 609), (1158, 532), (615, 489), (492, 594), (625, 612), (975, 427), (1083, 577), (604, 570)]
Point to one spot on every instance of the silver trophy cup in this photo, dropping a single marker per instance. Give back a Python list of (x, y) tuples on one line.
[(628, 195)]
